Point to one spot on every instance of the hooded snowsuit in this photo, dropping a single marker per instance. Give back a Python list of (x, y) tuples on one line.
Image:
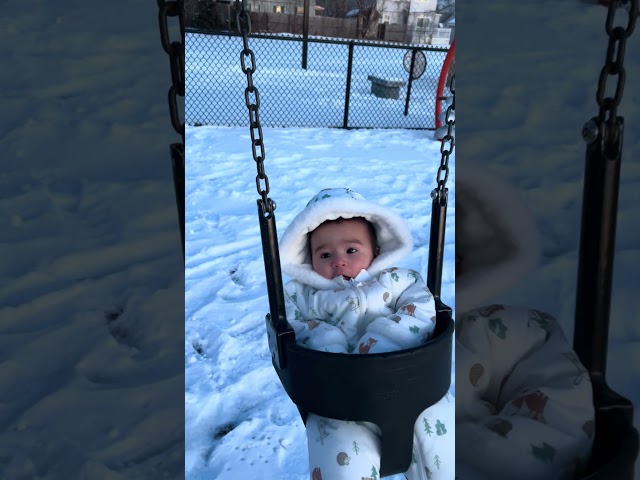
[(382, 309), (524, 402)]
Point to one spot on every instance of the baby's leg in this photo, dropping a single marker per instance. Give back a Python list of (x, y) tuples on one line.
[(434, 446), (524, 400), (340, 450)]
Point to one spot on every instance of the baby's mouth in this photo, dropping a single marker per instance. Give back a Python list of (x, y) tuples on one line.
[(346, 277)]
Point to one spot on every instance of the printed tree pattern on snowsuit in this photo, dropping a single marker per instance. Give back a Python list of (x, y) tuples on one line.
[(335, 450), (526, 402)]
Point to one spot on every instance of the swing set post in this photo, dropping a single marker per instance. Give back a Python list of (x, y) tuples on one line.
[(279, 332), (614, 413), (616, 442), (436, 242)]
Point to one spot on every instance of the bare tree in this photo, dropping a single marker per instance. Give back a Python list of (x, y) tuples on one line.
[(334, 8), (209, 14), (369, 15)]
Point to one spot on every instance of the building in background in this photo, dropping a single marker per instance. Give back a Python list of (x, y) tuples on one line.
[(430, 22)]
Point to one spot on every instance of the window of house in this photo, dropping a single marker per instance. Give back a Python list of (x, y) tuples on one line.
[(278, 9), (299, 10)]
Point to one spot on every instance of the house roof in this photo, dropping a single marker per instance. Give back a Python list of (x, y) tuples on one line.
[(448, 20)]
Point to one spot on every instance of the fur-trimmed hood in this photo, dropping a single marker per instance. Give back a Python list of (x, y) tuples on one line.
[(497, 241), (392, 232)]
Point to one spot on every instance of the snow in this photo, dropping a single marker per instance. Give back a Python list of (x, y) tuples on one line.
[(91, 289), (229, 377), (214, 73)]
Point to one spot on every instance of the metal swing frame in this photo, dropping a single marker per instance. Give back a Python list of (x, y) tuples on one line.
[(616, 444)]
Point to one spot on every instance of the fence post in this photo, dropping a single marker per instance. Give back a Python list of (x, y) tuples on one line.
[(305, 33), (413, 62), (345, 122)]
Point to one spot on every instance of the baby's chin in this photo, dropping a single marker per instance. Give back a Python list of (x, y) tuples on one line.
[(346, 277)]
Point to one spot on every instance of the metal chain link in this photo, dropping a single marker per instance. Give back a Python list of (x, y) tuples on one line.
[(252, 100), (447, 144), (614, 66), (175, 50)]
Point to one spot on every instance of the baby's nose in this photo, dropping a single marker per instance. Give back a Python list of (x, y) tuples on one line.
[(339, 261)]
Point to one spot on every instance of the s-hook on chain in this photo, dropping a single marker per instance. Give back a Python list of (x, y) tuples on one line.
[(614, 66), (447, 144), (175, 50), (252, 99)]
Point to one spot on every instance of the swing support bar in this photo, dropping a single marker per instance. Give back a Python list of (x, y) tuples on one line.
[(436, 241), (614, 413), (279, 332), (616, 442), (597, 246)]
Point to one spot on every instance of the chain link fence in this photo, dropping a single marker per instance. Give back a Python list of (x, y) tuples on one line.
[(334, 90)]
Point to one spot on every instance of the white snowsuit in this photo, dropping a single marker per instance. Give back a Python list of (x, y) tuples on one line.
[(391, 311), (382, 309), (524, 402)]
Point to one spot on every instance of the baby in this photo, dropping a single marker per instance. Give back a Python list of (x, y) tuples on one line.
[(345, 296)]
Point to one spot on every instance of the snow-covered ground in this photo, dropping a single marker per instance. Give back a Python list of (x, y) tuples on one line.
[(239, 421), (318, 93), (91, 286)]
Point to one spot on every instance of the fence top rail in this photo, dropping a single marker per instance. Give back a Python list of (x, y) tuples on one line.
[(338, 41)]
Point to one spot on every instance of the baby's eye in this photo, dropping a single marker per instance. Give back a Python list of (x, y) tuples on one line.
[(325, 255), (351, 250)]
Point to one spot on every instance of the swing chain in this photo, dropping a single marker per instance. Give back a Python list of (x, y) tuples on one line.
[(447, 144), (175, 50), (614, 66), (252, 100)]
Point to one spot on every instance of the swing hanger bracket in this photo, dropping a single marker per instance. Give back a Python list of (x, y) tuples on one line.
[(607, 125)]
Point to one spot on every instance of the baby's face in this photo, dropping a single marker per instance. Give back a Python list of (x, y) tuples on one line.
[(341, 248)]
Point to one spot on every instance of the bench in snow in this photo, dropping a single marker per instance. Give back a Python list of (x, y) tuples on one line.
[(385, 88)]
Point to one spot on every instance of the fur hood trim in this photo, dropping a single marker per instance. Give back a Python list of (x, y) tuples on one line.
[(392, 232), (497, 242)]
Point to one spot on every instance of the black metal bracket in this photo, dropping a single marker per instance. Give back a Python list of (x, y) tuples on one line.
[(616, 442), (279, 332), (597, 245), (436, 241), (177, 164)]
